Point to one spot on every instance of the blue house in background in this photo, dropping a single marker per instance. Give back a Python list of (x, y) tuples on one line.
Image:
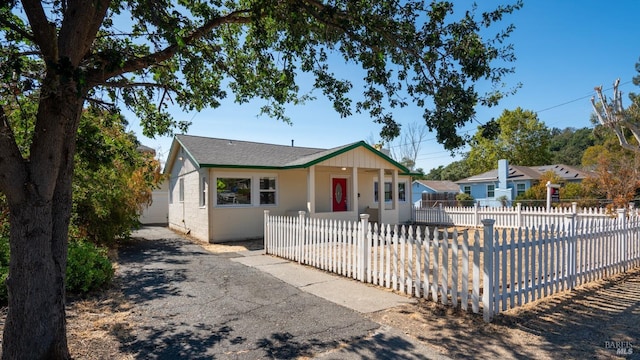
[(431, 187), (508, 181)]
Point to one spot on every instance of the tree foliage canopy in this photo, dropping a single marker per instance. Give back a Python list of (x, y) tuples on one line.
[(149, 54), (522, 139)]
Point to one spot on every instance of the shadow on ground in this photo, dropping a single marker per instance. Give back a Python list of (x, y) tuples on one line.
[(586, 322), (594, 320)]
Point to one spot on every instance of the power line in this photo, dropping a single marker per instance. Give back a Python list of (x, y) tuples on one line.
[(539, 111)]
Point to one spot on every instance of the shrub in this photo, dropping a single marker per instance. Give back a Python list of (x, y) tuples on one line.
[(465, 199), (88, 267)]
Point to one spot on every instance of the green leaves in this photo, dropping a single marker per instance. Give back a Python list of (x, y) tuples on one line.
[(517, 135), (194, 54)]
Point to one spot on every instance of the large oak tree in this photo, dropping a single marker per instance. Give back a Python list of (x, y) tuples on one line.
[(146, 54)]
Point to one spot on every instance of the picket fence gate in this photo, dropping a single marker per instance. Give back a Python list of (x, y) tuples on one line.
[(493, 269), (505, 217)]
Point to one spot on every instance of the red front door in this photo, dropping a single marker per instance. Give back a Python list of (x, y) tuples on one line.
[(339, 194)]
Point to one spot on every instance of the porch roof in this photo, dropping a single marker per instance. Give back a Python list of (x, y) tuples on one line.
[(228, 153)]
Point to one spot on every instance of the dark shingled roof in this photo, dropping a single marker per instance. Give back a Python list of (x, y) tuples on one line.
[(528, 173), (213, 152), (440, 185), (225, 152)]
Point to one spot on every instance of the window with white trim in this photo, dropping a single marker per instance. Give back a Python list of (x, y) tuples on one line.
[(181, 189), (242, 190), (233, 191), (520, 189), (172, 187), (491, 190), (267, 191), (466, 189), (388, 192), (203, 191)]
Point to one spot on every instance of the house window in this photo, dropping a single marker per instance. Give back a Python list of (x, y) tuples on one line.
[(172, 187), (402, 192), (520, 189), (388, 191), (203, 191), (234, 191), (491, 191), (181, 189), (467, 189), (267, 191)]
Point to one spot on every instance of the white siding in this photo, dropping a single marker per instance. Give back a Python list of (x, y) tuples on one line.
[(187, 216)]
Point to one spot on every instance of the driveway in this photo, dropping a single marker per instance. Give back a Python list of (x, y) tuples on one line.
[(192, 304)]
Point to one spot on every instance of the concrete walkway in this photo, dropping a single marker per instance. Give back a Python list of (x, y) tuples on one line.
[(340, 290), (190, 303)]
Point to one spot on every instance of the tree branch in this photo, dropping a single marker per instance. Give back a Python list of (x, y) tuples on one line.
[(44, 33), (13, 173), (82, 19), (236, 17), (25, 34)]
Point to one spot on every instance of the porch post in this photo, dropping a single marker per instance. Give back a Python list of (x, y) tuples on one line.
[(311, 190), (380, 196), (354, 193)]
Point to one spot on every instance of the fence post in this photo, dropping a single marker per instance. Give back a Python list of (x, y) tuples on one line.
[(365, 251), (488, 288), (572, 249), (622, 228), (476, 215), (300, 237), (519, 210), (266, 237)]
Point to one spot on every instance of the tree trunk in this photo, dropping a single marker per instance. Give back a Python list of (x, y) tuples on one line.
[(36, 325)]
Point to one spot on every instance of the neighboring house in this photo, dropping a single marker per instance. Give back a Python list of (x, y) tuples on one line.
[(509, 181), (427, 193), (220, 188), (158, 212)]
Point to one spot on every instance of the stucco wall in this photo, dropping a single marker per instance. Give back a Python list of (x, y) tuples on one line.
[(187, 216)]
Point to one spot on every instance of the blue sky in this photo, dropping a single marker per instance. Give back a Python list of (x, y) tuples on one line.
[(563, 48)]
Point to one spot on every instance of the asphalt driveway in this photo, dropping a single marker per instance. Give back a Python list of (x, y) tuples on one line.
[(192, 304)]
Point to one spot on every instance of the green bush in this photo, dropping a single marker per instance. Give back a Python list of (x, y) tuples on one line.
[(465, 199), (88, 267)]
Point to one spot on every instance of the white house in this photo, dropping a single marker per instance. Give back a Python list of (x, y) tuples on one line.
[(219, 188)]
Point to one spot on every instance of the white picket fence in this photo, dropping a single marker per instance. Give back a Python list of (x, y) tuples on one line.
[(505, 217), (493, 269)]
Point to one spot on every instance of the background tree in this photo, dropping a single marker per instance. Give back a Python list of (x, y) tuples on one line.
[(407, 147), (453, 172), (113, 180), (568, 145), (610, 113), (144, 55), (616, 175), (522, 139)]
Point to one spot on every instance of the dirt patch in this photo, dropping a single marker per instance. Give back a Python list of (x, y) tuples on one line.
[(235, 246)]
